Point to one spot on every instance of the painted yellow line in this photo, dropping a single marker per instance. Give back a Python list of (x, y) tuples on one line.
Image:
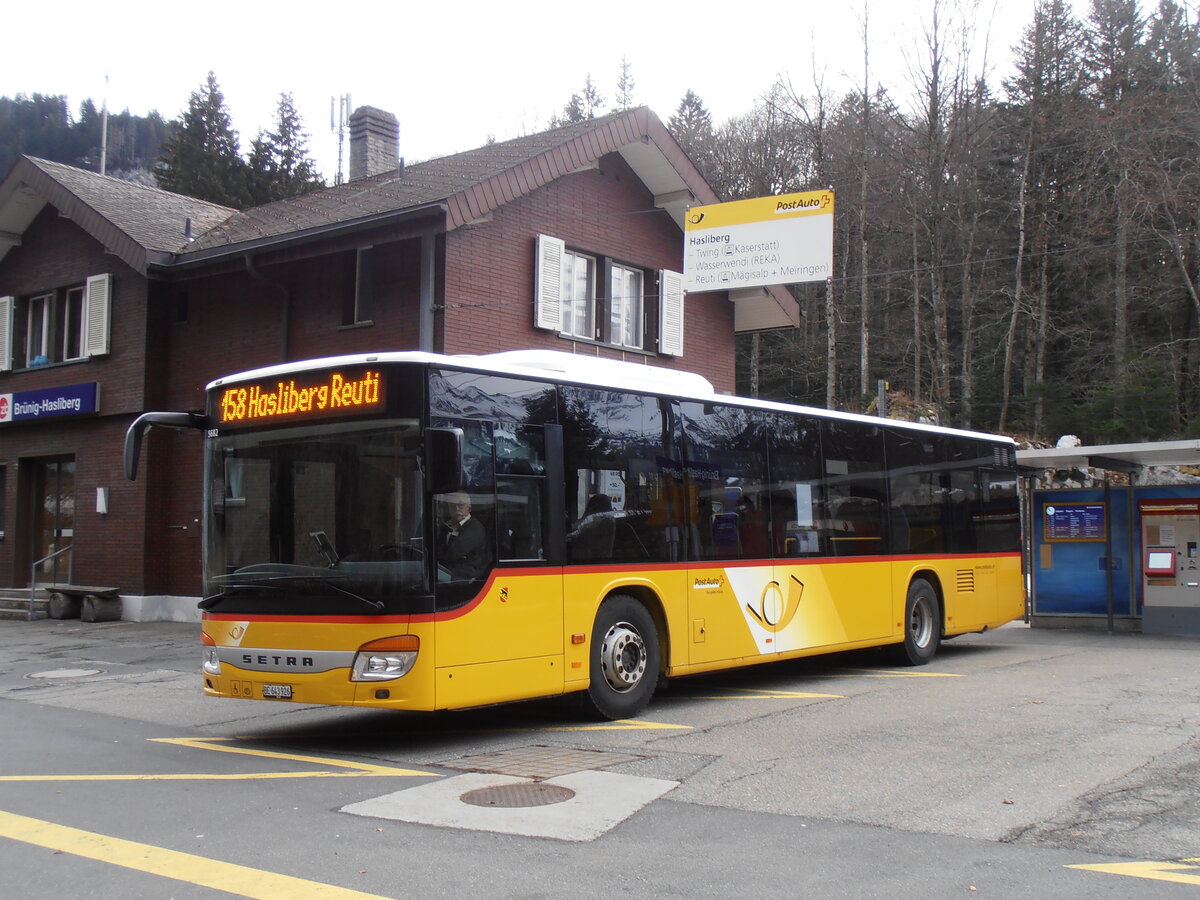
[(346, 768), (357, 768), (1156, 871), (198, 870)]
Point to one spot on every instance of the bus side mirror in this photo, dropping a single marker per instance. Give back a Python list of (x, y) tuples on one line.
[(443, 460), (146, 421)]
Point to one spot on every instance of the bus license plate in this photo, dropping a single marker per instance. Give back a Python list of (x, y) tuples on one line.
[(277, 692)]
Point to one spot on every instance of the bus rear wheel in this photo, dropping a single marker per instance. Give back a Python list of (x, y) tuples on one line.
[(922, 625), (625, 659)]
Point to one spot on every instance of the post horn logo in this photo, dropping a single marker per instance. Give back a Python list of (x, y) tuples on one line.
[(774, 612)]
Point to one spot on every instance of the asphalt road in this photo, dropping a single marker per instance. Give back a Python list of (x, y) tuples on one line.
[(1014, 759)]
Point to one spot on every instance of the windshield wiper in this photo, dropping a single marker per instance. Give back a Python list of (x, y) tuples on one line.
[(215, 599), (279, 581)]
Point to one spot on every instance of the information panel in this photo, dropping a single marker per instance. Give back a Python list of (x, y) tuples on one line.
[(758, 242), (330, 393), (1073, 522)]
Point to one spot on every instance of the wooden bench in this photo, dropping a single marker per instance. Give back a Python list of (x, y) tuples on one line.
[(81, 601)]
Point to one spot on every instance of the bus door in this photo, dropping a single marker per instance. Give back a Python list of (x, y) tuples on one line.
[(733, 605), (499, 630)]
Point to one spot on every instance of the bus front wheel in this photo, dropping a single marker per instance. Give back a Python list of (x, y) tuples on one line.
[(624, 659), (922, 625)]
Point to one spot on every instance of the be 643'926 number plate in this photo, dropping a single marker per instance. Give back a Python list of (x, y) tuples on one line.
[(277, 692)]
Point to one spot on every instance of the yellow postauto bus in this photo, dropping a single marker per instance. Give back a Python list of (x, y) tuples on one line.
[(415, 531)]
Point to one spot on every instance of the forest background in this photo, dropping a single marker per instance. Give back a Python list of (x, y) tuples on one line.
[(1022, 258)]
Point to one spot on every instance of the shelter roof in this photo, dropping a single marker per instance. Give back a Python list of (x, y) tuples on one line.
[(1114, 457)]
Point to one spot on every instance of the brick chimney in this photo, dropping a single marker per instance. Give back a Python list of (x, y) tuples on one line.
[(374, 142)]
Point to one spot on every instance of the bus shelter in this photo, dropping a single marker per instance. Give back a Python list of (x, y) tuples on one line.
[(1119, 555)]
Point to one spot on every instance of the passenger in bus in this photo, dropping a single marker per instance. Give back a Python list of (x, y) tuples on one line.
[(462, 540)]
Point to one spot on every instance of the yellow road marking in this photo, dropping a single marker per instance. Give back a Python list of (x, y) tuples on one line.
[(348, 769), (1157, 871), (186, 867)]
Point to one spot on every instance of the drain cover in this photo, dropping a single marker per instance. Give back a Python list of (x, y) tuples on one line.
[(514, 796)]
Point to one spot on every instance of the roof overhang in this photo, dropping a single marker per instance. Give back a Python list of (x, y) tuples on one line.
[(1113, 457), (427, 218), (19, 206)]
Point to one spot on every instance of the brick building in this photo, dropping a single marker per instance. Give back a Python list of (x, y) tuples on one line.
[(117, 298)]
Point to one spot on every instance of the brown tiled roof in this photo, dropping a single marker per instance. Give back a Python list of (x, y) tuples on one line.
[(470, 183), (118, 212)]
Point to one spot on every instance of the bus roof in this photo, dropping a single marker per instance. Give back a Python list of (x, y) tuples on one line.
[(590, 371)]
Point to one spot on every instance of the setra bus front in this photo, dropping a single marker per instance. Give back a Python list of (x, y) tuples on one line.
[(318, 484)]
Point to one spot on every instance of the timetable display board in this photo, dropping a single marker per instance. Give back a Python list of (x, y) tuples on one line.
[(1074, 522)]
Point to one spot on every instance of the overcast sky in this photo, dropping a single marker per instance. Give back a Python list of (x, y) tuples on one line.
[(456, 72)]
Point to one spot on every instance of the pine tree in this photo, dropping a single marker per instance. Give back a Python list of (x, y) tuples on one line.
[(201, 157), (279, 164), (582, 106), (692, 127), (625, 84)]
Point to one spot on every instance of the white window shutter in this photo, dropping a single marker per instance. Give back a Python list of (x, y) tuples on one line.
[(6, 321), (670, 313), (98, 306), (547, 293)]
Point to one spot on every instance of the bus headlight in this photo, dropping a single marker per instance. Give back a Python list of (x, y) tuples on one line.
[(386, 658), (211, 664)]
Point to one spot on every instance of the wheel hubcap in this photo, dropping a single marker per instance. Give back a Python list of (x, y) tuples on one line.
[(920, 626), (623, 657)]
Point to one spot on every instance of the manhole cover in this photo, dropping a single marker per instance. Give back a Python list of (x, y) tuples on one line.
[(66, 673), (515, 796)]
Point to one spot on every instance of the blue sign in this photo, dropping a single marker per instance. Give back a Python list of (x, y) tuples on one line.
[(68, 400)]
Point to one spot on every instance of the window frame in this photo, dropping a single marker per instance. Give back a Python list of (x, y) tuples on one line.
[(571, 303), (620, 315), (46, 304), (74, 317)]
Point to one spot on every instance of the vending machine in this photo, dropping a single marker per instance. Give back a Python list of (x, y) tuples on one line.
[(1170, 566)]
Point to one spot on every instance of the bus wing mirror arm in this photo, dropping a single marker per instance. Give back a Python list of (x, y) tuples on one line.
[(146, 421)]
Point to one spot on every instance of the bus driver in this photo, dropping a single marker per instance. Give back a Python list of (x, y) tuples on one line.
[(462, 540)]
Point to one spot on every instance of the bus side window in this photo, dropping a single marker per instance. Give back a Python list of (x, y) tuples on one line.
[(796, 498), (519, 517)]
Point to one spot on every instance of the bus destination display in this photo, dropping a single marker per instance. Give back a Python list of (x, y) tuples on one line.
[(311, 395)]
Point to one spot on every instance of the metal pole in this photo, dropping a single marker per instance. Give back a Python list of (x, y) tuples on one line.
[(1108, 548)]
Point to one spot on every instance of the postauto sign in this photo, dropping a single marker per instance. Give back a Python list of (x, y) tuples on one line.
[(48, 403)]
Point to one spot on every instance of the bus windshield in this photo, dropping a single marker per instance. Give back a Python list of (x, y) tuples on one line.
[(324, 519)]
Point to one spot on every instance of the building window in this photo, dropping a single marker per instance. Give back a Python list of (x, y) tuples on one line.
[(358, 281), (74, 310), (37, 330), (578, 295), (626, 303), (595, 298), (58, 326)]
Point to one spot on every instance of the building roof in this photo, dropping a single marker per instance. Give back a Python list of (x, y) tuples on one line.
[(473, 183), (133, 221)]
